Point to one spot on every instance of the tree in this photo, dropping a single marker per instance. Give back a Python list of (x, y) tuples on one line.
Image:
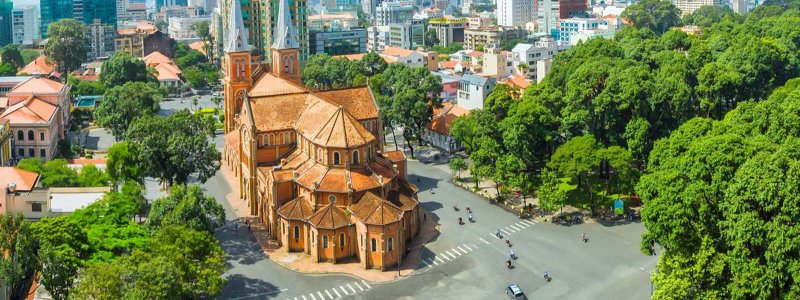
[(91, 176), (67, 44), (123, 165), (657, 15), (85, 88), (551, 195), (576, 159), (161, 24), (187, 206), (414, 94), (10, 54), (198, 256), (64, 244), (216, 100), (457, 165), (18, 262), (100, 281), (174, 147), (202, 30), (7, 69), (373, 64), (123, 104), (431, 38), (123, 68)]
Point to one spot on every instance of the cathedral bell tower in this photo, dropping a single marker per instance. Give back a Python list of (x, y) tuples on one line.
[(236, 65), (285, 49)]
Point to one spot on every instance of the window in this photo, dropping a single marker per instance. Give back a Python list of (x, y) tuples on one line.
[(36, 207), (369, 152), (286, 138), (332, 198), (42, 153), (31, 153), (41, 135), (296, 233), (30, 135), (267, 139), (20, 136), (21, 152), (374, 245), (325, 241), (335, 158), (391, 244), (355, 157), (319, 154), (341, 241)]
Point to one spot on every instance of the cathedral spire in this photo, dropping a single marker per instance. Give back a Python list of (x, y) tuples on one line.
[(236, 37), (284, 33)]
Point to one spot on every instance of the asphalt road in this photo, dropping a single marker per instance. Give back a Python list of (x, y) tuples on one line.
[(464, 261)]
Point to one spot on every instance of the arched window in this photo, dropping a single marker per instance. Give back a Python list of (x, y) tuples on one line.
[(355, 157), (287, 138), (325, 241), (391, 244), (341, 241), (296, 233), (374, 245), (30, 135), (332, 198), (319, 154), (369, 152), (336, 157), (20, 135), (268, 139)]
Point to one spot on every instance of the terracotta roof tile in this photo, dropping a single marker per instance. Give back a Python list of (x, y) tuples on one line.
[(24, 180), (374, 210), (362, 180), (283, 175), (518, 81), (334, 180), (387, 173), (403, 199), (330, 217), (328, 125), (312, 176), (168, 72), (38, 66), (443, 117), (397, 52), (37, 85), (32, 110), (357, 101), (448, 64), (297, 209), (277, 112), (156, 58), (395, 156), (198, 46), (269, 85)]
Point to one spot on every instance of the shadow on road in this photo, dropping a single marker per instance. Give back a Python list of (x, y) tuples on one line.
[(239, 245), (424, 183), (242, 287)]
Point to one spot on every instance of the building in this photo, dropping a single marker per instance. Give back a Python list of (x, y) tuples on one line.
[(25, 25), (569, 27), (332, 22), (410, 58), (528, 54), (180, 29), (53, 10), (407, 35), (258, 19), (5, 143), (437, 133), (514, 12), (6, 10), (497, 63), (131, 11), (572, 8), (450, 84), (339, 42), (547, 16), (687, 7), (90, 11), (391, 12), (585, 35), (39, 66), (481, 21), (143, 41), (161, 4), (479, 37), (542, 68), (740, 6), (449, 30), (7, 83), (473, 91), (309, 163), (167, 71), (37, 110), (377, 38), (21, 192), (101, 40)]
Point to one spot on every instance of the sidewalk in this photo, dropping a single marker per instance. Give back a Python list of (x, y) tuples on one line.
[(303, 263)]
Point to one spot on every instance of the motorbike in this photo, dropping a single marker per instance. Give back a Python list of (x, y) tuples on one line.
[(508, 242), (455, 207), (471, 220), (547, 277), (460, 221), (508, 264), (469, 210)]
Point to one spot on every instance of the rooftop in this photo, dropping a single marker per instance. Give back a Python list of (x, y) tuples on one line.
[(24, 180)]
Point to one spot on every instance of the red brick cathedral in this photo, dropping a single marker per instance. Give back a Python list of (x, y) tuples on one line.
[(310, 163)]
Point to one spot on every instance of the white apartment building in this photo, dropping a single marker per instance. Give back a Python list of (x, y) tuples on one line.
[(25, 25), (514, 12), (181, 28), (394, 12), (530, 54), (377, 38), (687, 7), (572, 26), (473, 91), (101, 40), (547, 16)]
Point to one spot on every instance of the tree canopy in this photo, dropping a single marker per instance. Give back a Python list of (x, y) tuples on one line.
[(126, 103), (658, 16), (187, 206), (10, 54), (19, 261), (67, 44), (56, 173), (123, 68)]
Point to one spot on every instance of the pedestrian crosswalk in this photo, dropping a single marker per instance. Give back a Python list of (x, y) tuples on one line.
[(337, 292), (513, 228)]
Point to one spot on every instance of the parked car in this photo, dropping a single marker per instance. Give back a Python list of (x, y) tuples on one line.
[(514, 292)]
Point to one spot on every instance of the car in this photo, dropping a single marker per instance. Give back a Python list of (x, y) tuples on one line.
[(514, 292)]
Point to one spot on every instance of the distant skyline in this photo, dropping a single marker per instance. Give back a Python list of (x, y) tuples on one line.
[(22, 3)]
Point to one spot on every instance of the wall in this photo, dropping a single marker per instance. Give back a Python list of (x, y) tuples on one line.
[(21, 203)]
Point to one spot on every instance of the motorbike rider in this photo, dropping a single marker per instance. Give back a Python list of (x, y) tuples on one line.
[(470, 217), (512, 254)]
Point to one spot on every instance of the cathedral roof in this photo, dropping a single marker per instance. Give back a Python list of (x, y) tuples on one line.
[(374, 210), (285, 32), (326, 124), (356, 100), (330, 217), (297, 209), (277, 112), (236, 38)]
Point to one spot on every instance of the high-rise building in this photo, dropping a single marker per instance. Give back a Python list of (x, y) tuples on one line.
[(170, 3), (25, 25), (571, 8), (514, 12), (6, 6), (85, 11), (547, 16), (449, 30), (687, 7), (393, 12), (259, 19), (101, 40)]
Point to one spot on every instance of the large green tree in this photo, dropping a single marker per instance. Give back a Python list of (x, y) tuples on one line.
[(123, 68), (187, 206), (657, 15), (123, 164), (64, 244), (19, 261), (10, 54), (67, 44), (124, 104)]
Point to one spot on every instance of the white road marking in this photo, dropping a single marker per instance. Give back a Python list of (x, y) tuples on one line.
[(484, 241), (429, 262), (312, 296), (505, 232), (530, 222), (359, 287), (454, 257), (445, 257), (320, 295), (304, 297), (337, 293), (518, 228), (366, 284), (343, 290), (459, 248), (329, 294), (438, 260), (456, 251), (351, 288), (512, 230)]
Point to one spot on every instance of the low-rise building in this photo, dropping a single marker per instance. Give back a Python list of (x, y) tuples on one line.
[(407, 57), (101, 40), (180, 28), (21, 192), (477, 37), (448, 30), (141, 41), (473, 91), (5, 142), (41, 67), (38, 114), (528, 54), (497, 63), (407, 35), (167, 71), (450, 85), (572, 26), (481, 21), (437, 133)]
